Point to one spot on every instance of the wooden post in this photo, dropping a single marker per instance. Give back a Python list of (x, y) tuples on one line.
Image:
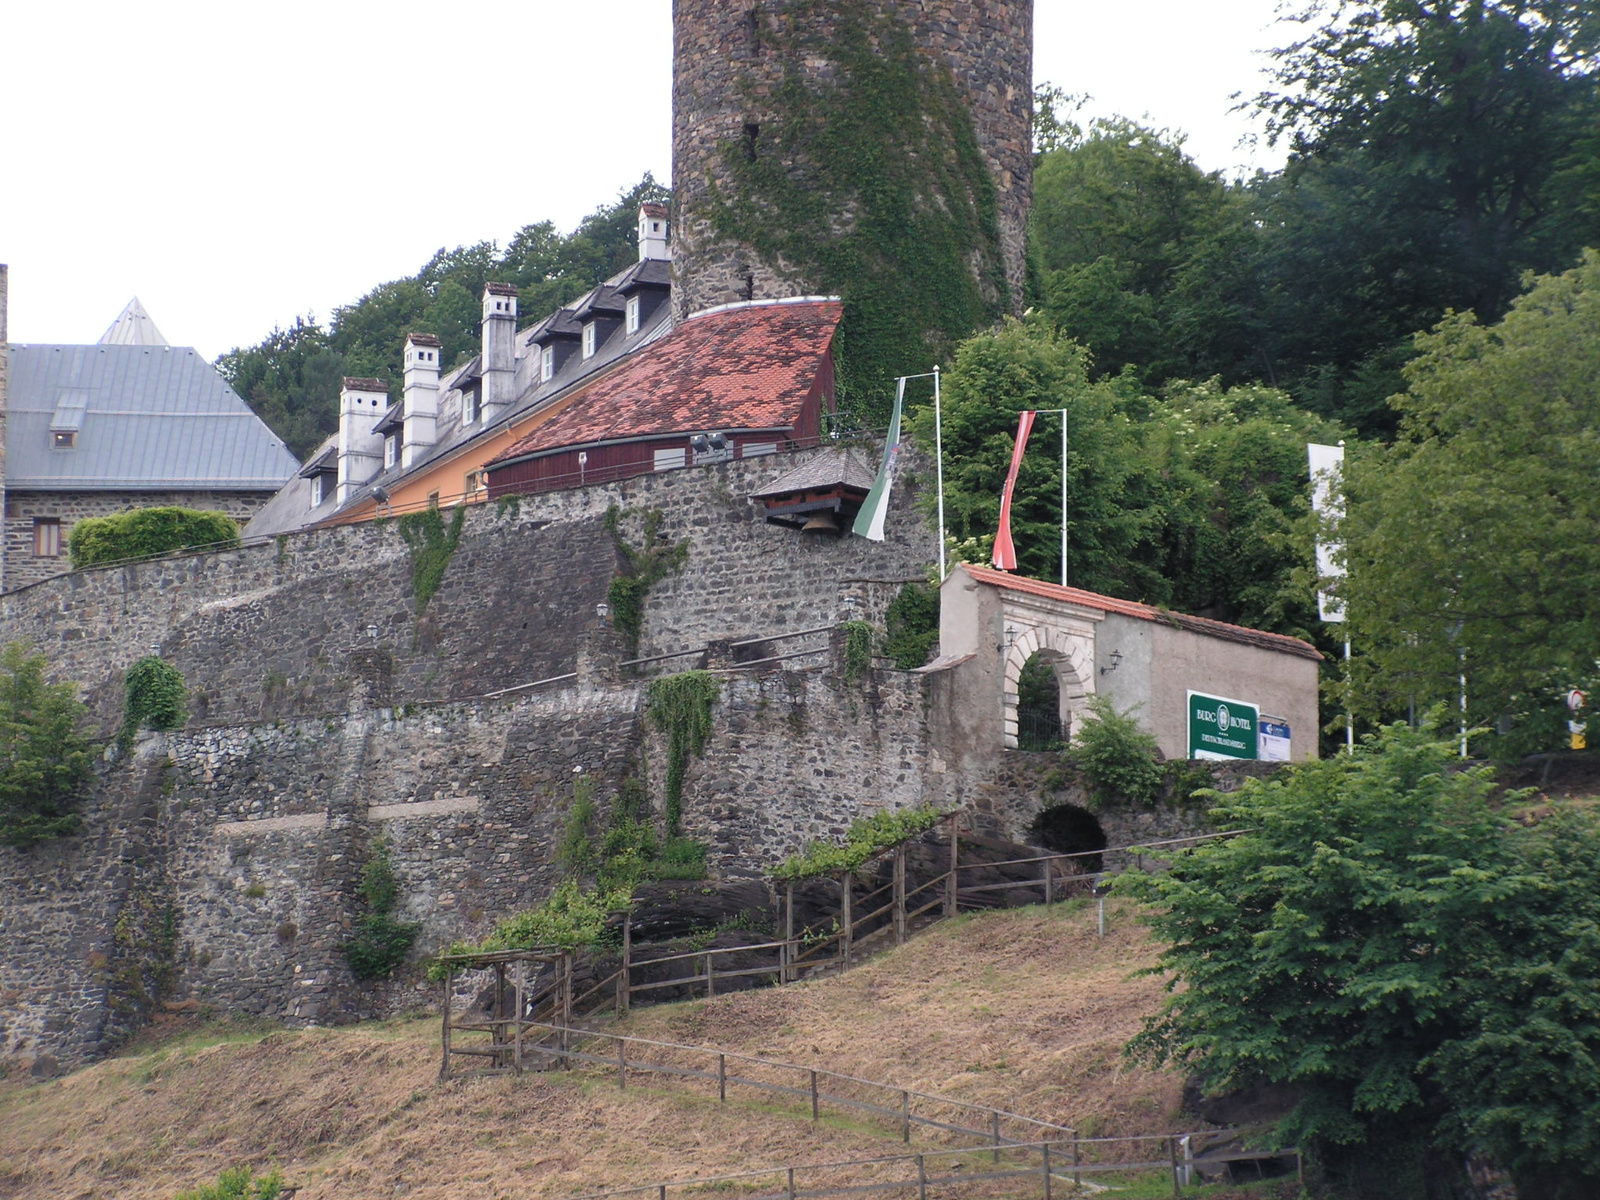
[(711, 987), (444, 1032), (900, 895), (1049, 883), (622, 1063), (847, 913), (663, 1195), (950, 881), (905, 1117), (1077, 1175), (788, 934), (566, 1008), (625, 973), (516, 1054), (497, 1035), (722, 1078), (813, 1094), (1047, 1171), (791, 1183), (994, 1124), (922, 1180), (1172, 1154)]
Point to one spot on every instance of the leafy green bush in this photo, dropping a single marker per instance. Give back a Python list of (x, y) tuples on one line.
[(157, 698), (237, 1183), (1116, 756), (866, 837), (381, 943), (911, 626), (857, 649), (143, 532), (573, 918), (44, 760)]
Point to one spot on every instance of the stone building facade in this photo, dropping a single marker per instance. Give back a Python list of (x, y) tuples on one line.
[(726, 65)]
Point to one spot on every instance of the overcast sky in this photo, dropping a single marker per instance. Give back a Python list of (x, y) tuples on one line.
[(236, 164)]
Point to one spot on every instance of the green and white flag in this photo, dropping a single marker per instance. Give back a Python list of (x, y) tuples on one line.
[(869, 521)]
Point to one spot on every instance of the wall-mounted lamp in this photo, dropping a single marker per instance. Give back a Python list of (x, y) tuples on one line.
[(372, 632), (603, 611), (1011, 635), (1116, 661)]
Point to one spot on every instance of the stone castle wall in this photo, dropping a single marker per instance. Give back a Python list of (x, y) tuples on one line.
[(723, 68)]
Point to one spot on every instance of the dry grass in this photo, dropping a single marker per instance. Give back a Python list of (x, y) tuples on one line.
[(1026, 1010)]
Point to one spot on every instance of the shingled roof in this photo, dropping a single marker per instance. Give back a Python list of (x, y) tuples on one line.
[(745, 366), (1132, 608)]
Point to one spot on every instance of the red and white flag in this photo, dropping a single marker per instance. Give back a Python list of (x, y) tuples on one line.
[(1005, 554)]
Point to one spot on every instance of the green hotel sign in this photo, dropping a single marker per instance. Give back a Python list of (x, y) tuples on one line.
[(1221, 728)]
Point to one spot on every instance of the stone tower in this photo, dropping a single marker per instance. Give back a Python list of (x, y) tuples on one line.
[(729, 58)]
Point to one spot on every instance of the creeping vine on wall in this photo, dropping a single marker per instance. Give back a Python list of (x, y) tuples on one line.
[(157, 698), (857, 649), (646, 565), (680, 705), (381, 942), (870, 184), (432, 546)]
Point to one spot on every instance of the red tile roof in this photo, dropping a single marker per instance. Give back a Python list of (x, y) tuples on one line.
[(746, 367), (1132, 608)]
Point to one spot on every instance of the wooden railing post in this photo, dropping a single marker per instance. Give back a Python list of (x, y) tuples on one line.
[(516, 1053), (497, 1036), (791, 1183), (625, 972), (722, 1078), (950, 880), (814, 1108), (444, 1032), (1172, 1154), (566, 1008), (1047, 1171), (994, 1123), (788, 934), (905, 1117), (1049, 881), (1077, 1175), (922, 1179), (622, 1063), (900, 895), (711, 987), (847, 921)]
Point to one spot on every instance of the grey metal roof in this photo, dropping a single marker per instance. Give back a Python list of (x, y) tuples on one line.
[(835, 467), (156, 417)]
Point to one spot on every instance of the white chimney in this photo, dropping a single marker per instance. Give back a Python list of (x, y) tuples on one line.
[(361, 404), (421, 399), (499, 349), (653, 231)]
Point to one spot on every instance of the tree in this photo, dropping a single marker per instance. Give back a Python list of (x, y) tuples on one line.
[(44, 760), (1439, 149), (1189, 499), (1375, 936), (1122, 221), (1471, 542)]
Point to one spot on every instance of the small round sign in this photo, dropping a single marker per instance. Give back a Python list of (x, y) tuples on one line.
[(1576, 699), (1222, 718)]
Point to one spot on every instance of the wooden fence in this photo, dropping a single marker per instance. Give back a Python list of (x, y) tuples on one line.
[(884, 913)]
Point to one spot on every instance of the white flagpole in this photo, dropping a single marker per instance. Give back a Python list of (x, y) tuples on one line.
[(1063, 497), (938, 465)]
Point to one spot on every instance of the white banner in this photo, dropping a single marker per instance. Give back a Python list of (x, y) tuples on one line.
[(1327, 502)]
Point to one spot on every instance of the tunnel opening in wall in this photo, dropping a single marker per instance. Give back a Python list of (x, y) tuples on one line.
[(1068, 829), (1039, 724)]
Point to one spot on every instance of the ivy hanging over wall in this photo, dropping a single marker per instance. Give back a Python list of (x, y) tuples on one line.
[(157, 698), (871, 185), (381, 942), (680, 705), (857, 649), (432, 546), (866, 838), (646, 565)]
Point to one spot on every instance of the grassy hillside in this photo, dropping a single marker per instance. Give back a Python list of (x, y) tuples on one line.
[(1026, 1009)]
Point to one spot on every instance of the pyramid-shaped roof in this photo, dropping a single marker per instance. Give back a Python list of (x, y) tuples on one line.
[(133, 327)]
